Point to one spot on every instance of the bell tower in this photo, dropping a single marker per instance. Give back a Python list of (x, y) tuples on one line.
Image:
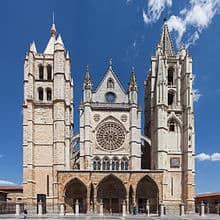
[(47, 120), (169, 120)]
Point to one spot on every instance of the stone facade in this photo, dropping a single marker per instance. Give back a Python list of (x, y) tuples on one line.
[(109, 163)]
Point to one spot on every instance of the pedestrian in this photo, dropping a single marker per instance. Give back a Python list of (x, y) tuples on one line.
[(25, 213), (134, 210)]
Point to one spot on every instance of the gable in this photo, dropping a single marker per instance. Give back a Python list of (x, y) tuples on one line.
[(110, 84)]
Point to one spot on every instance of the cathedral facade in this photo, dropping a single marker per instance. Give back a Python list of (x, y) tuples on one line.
[(110, 162)]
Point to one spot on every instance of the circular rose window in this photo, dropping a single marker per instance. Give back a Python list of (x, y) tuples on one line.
[(110, 136)]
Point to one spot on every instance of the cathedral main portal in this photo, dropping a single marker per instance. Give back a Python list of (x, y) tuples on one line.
[(111, 192)]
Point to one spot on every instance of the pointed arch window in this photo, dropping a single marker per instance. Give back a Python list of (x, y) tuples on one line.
[(40, 93), (97, 164), (124, 164), (115, 163), (110, 83), (49, 72), (170, 76), (106, 164), (49, 94), (41, 72), (172, 125)]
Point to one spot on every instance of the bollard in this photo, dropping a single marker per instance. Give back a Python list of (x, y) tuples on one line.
[(162, 207), (40, 208), (101, 208), (123, 208), (18, 208), (77, 207), (147, 208), (62, 209), (182, 210), (202, 209)]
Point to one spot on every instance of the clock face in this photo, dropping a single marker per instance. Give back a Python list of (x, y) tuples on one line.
[(110, 97), (110, 136)]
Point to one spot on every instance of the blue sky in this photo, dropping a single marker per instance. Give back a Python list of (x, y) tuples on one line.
[(128, 31)]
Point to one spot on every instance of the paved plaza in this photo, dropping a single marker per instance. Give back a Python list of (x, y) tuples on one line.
[(115, 217)]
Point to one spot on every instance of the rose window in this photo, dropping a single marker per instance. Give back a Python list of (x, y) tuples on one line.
[(110, 136)]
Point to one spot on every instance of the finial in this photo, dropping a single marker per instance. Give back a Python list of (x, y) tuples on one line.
[(110, 63), (87, 68), (165, 20), (53, 28), (132, 69)]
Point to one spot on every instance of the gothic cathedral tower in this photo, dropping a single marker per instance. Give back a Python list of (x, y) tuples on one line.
[(47, 120), (169, 121)]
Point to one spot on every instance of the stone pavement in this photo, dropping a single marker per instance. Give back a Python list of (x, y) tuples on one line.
[(114, 217)]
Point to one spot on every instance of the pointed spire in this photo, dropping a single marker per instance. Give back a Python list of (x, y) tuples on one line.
[(87, 81), (33, 47), (67, 55), (133, 82), (53, 28), (165, 41), (110, 63)]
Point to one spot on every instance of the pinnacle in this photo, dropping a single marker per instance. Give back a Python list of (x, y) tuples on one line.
[(33, 47)]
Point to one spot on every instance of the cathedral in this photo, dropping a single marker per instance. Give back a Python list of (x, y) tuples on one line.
[(110, 166)]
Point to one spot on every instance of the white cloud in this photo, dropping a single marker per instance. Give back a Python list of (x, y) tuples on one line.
[(203, 157), (3, 182), (155, 9), (196, 95), (215, 156), (189, 22), (193, 19), (211, 157)]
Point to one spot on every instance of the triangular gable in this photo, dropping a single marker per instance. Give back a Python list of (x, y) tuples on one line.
[(102, 89), (107, 75)]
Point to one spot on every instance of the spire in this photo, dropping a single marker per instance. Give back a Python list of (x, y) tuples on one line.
[(132, 82), (165, 41), (110, 63), (87, 84), (53, 28), (33, 47)]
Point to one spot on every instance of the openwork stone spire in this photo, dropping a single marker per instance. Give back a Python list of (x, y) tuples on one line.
[(166, 42), (133, 83), (87, 84)]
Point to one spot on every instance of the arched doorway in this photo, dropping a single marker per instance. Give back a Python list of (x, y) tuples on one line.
[(147, 190), (75, 190), (111, 192)]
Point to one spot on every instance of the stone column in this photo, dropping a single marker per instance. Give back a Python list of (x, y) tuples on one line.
[(95, 199), (101, 207), (123, 208), (162, 209), (148, 207), (77, 207), (62, 209), (182, 209), (127, 204), (18, 208), (91, 207), (202, 209), (40, 208)]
